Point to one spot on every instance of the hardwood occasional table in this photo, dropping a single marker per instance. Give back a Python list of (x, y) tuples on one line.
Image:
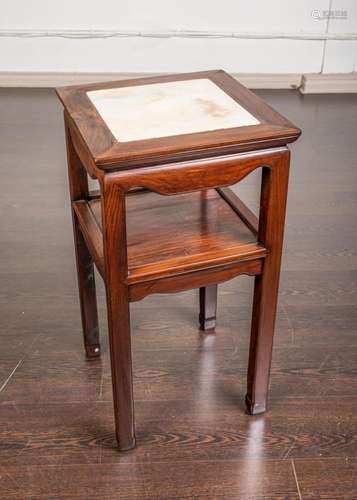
[(190, 135)]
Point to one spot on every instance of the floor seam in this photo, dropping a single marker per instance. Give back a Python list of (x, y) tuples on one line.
[(11, 374), (296, 479)]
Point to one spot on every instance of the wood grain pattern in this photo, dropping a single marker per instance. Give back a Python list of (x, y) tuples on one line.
[(116, 268), (108, 154), (186, 431), (195, 279), (78, 185), (148, 481), (274, 192), (247, 216), (91, 232), (56, 418), (335, 478), (189, 232), (194, 175), (200, 257)]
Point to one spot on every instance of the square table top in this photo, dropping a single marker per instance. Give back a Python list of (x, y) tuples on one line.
[(146, 121)]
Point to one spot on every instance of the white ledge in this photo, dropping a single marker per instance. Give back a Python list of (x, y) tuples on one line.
[(307, 84), (95, 33), (329, 84)]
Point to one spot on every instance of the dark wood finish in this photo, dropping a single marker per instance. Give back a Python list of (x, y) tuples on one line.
[(274, 479), (247, 216), (334, 478), (78, 184), (194, 260), (91, 232), (208, 307), (56, 421), (186, 177), (197, 240), (195, 279), (81, 147), (106, 153), (190, 233), (271, 229), (171, 427), (116, 268)]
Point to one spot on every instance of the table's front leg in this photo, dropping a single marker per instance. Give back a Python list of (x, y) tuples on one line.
[(270, 234), (116, 268)]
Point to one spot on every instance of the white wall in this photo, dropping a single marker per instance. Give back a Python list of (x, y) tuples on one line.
[(279, 36), (341, 56)]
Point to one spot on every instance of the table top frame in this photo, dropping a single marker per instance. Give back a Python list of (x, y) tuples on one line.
[(101, 151)]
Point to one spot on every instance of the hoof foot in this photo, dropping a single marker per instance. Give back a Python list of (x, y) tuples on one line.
[(207, 324), (127, 446), (254, 408), (93, 351)]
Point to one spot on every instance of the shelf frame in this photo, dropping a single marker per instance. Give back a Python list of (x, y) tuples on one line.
[(218, 266)]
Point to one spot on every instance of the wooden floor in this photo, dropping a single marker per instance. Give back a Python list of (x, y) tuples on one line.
[(194, 438)]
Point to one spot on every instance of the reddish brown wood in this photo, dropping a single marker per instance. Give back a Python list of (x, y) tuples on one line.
[(107, 154), (159, 244), (240, 208), (185, 177), (271, 229), (116, 270), (168, 236), (56, 425), (208, 307), (91, 231), (81, 147), (78, 184), (196, 279)]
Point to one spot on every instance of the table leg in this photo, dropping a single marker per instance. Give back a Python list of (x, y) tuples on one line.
[(208, 307), (115, 254), (78, 183), (271, 230)]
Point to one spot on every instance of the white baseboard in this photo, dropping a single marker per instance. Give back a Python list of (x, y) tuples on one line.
[(269, 81), (53, 79), (307, 84), (46, 79), (329, 84)]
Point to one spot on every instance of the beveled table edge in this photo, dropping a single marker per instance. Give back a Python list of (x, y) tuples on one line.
[(109, 155)]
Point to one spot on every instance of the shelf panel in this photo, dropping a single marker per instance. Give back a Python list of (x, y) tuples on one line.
[(172, 235)]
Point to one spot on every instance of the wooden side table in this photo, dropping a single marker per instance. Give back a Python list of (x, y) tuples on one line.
[(190, 135)]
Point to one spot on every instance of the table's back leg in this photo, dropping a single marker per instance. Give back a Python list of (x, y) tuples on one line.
[(208, 307), (78, 183), (271, 230)]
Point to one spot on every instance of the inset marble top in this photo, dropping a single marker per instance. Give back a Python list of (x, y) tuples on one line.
[(167, 109)]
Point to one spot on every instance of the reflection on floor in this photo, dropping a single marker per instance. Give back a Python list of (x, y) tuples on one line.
[(194, 438)]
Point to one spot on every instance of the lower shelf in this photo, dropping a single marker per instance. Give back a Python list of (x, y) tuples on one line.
[(173, 235)]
